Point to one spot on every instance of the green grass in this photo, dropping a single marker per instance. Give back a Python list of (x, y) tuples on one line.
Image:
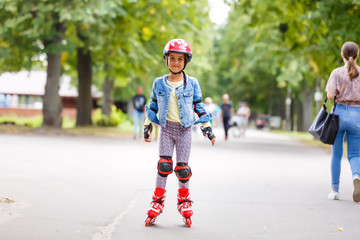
[(124, 129), (32, 125), (34, 121), (308, 139), (68, 123), (303, 136)]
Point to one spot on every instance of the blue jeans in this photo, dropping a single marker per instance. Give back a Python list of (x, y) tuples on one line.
[(349, 123), (138, 122)]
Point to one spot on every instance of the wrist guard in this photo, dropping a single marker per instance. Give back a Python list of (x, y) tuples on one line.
[(208, 132), (146, 130)]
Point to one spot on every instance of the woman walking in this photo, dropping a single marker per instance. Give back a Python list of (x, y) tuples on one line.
[(344, 84), (227, 111)]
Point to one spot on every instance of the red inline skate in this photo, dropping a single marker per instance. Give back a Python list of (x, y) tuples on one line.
[(184, 205), (156, 206)]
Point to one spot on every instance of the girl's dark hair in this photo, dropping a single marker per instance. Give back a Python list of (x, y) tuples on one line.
[(186, 58), (350, 52)]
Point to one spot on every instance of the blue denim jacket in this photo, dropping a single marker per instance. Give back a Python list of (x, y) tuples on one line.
[(189, 102)]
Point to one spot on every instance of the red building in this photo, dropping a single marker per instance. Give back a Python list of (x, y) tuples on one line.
[(21, 94)]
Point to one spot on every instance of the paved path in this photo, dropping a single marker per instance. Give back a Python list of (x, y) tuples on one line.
[(263, 186)]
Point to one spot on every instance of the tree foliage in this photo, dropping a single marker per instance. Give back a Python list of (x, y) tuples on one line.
[(124, 38), (269, 46)]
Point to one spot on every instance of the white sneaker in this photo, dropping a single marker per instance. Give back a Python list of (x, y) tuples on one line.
[(356, 193), (333, 195)]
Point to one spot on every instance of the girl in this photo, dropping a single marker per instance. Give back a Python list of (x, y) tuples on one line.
[(175, 97), (344, 84)]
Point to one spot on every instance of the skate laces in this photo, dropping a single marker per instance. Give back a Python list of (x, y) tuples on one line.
[(186, 201), (159, 200)]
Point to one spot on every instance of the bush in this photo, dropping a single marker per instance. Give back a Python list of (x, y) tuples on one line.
[(68, 123), (116, 118)]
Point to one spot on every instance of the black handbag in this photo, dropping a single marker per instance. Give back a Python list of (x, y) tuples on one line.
[(325, 125)]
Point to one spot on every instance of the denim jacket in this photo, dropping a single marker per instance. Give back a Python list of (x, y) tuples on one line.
[(189, 102)]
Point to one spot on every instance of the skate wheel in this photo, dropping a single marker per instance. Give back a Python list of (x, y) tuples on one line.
[(148, 221), (188, 221)]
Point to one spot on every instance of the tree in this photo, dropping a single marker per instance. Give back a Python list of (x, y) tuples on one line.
[(115, 44), (292, 42), (36, 28)]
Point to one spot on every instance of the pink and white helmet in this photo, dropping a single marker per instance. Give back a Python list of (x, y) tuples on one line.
[(178, 46)]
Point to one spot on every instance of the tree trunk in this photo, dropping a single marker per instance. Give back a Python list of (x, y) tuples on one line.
[(292, 113), (84, 101), (52, 102), (52, 106), (307, 107), (280, 105), (107, 95), (299, 113), (288, 109)]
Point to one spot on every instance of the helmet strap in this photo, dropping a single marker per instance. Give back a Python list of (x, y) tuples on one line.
[(175, 72)]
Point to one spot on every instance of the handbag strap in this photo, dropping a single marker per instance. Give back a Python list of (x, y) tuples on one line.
[(335, 103), (324, 106)]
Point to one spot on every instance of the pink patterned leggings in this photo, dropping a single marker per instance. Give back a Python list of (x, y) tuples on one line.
[(173, 135)]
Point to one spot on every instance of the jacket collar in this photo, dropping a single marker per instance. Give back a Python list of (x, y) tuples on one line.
[(186, 79)]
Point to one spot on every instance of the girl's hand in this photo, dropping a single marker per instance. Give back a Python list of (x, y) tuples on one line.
[(207, 132), (213, 141), (147, 132), (147, 139)]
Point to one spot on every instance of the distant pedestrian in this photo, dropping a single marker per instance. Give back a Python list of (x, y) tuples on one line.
[(227, 111), (210, 107), (244, 114), (217, 118), (139, 102), (344, 84)]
